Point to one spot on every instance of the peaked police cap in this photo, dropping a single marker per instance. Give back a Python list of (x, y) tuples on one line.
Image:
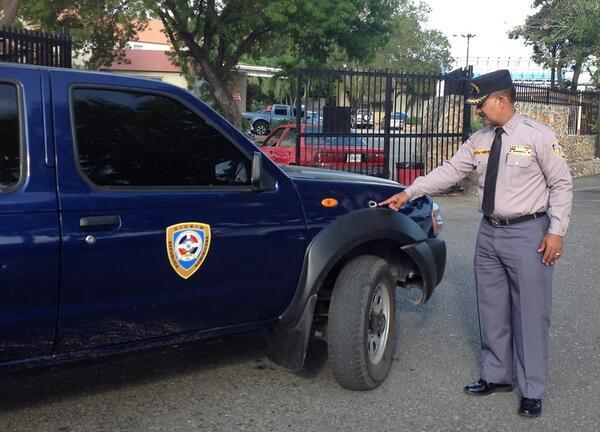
[(483, 85)]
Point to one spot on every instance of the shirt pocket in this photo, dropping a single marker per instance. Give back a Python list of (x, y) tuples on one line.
[(517, 168), (480, 163)]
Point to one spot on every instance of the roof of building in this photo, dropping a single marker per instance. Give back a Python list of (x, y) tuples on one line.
[(145, 61), (153, 33)]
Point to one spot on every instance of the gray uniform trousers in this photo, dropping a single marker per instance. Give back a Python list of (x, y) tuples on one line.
[(514, 297)]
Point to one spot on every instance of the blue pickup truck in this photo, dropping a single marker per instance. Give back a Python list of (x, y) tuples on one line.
[(133, 216), (261, 122)]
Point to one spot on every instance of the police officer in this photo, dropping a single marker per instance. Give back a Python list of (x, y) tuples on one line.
[(525, 191)]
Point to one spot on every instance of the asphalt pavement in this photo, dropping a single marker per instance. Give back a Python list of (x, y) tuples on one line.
[(231, 386)]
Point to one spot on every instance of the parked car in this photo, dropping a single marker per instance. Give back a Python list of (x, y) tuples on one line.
[(125, 203), (263, 120), (346, 153), (397, 121), (362, 118)]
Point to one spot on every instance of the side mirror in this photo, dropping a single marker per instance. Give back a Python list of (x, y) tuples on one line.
[(256, 176), (260, 180)]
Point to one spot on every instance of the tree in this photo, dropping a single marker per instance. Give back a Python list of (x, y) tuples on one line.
[(100, 28), (210, 36), (9, 12), (411, 47), (563, 33)]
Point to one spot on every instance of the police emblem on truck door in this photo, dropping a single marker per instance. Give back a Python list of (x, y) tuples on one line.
[(187, 246)]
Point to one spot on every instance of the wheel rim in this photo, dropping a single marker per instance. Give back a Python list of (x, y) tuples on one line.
[(261, 129), (379, 317)]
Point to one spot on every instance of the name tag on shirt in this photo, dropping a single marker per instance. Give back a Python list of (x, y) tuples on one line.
[(520, 150), (481, 152)]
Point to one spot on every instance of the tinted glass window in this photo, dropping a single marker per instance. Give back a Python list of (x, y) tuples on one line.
[(10, 148), (290, 138), (281, 111), (274, 138), (135, 139)]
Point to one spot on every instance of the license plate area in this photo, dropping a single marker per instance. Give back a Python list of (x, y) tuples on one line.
[(354, 158)]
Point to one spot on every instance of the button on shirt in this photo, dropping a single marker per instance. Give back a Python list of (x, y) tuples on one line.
[(532, 177)]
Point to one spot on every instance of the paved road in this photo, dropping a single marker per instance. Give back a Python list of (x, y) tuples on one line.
[(231, 386)]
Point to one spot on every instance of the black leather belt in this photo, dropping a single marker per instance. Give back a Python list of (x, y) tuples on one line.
[(504, 222)]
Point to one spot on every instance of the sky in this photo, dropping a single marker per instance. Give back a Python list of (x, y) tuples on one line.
[(489, 20)]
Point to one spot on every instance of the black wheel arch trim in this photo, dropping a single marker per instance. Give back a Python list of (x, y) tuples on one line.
[(287, 341)]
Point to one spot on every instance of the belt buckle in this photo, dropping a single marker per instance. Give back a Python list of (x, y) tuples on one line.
[(494, 221)]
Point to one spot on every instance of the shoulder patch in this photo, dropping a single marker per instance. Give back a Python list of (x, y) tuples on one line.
[(558, 150)]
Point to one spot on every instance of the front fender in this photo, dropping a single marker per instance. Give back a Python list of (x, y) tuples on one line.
[(287, 342)]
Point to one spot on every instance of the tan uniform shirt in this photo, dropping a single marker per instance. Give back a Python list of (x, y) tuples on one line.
[(533, 175)]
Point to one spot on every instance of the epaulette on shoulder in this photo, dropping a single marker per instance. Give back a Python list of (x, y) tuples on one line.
[(536, 125)]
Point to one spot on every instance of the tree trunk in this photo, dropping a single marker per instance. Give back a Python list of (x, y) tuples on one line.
[(223, 97), (9, 7), (553, 70), (576, 73), (561, 82)]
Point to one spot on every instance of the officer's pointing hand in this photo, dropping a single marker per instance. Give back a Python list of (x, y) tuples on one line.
[(395, 202), (551, 246)]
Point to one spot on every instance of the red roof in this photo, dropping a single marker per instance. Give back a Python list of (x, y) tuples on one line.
[(153, 33), (146, 61)]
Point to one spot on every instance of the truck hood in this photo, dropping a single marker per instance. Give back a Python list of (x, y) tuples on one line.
[(300, 172)]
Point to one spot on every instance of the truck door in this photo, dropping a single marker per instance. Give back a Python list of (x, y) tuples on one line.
[(285, 150), (162, 232), (29, 228)]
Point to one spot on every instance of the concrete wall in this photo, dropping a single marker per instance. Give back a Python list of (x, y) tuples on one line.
[(556, 117)]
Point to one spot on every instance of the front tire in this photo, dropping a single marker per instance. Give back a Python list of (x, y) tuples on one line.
[(261, 127), (361, 331)]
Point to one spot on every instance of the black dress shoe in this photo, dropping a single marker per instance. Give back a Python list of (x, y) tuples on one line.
[(530, 407), (483, 388)]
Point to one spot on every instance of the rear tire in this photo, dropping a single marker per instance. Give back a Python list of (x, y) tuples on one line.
[(361, 330), (261, 127)]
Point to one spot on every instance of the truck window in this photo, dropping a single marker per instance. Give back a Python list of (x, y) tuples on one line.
[(290, 138), (274, 139), (281, 111), (10, 143), (127, 138)]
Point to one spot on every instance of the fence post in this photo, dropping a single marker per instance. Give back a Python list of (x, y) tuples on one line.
[(386, 137), (598, 126), (466, 132), (299, 117)]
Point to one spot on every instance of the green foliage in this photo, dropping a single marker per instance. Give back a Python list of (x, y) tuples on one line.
[(211, 37), (100, 28), (245, 124), (476, 123), (564, 34), (411, 47)]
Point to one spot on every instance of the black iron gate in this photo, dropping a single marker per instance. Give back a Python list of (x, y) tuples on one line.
[(392, 125), (33, 47)]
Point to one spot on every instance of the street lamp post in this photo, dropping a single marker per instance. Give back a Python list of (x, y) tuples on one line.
[(468, 36)]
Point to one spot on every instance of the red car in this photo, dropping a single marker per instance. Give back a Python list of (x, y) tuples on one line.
[(345, 153)]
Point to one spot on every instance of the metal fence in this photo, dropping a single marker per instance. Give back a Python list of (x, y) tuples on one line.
[(392, 125), (33, 47), (583, 106)]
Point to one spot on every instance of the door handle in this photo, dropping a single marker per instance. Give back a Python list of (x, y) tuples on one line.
[(95, 223)]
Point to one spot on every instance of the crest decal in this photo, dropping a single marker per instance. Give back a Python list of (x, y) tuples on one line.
[(187, 246), (558, 150)]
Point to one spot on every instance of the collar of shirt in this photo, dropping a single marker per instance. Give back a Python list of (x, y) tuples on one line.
[(510, 125)]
